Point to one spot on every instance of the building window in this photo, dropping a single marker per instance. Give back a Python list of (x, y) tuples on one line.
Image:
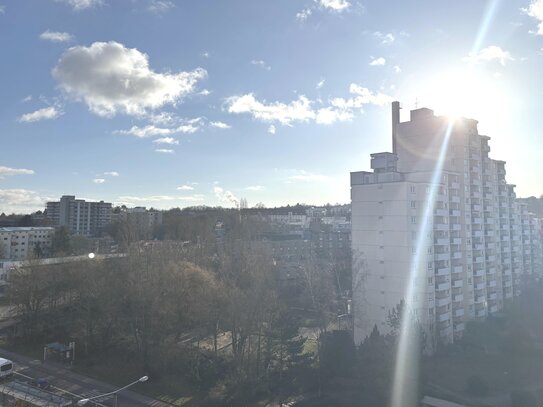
[(413, 204), (413, 220), (412, 189)]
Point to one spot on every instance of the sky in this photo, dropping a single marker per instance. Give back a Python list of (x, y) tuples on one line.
[(165, 104)]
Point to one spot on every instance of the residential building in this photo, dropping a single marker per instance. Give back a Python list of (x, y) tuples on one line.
[(436, 224), (82, 218), (22, 243), (143, 220)]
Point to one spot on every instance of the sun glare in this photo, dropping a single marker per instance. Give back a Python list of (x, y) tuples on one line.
[(463, 93)]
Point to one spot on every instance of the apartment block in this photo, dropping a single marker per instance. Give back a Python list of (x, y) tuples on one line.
[(82, 217), (22, 243), (436, 224)]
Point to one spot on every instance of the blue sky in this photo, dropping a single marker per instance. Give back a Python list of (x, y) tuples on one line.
[(178, 103)]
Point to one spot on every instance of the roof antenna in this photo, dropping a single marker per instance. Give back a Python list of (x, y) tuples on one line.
[(416, 103)]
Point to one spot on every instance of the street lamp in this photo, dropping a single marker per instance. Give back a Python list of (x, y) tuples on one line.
[(82, 402)]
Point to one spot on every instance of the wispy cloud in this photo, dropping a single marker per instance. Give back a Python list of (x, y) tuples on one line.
[(79, 5), (166, 140), (159, 201), (303, 110), (112, 173), (2, 9), (151, 130), (385, 39), (160, 6), (47, 113), (535, 10), (261, 63), (165, 151), (8, 171), (378, 61), (185, 188), (272, 129), (98, 180), (320, 83), (111, 78), (397, 69), (491, 53), (55, 36), (220, 125)]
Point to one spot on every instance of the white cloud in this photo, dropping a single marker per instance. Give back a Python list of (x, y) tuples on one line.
[(2, 9), (386, 39), (204, 92), (225, 197), (335, 5), (98, 180), (255, 188), (111, 79), (301, 110), (205, 54), (112, 173), (397, 69), (165, 151), (259, 62), (220, 125), (330, 115), (535, 10), (56, 36), (305, 176), (78, 5), (160, 6), (491, 53), (21, 201), (320, 83), (26, 99), (166, 140), (185, 188), (47, 113), (151, 130), (363, 96), (304, 14), (378, 61), (8, 171), (298, 110)]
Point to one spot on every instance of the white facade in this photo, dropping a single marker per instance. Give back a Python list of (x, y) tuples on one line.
[(21, 243), (81, 217), (478, 242)]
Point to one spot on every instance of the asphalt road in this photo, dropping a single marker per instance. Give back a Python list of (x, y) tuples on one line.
[(74, 385)]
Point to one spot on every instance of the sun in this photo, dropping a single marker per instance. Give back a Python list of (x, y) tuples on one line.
[(465, 93)]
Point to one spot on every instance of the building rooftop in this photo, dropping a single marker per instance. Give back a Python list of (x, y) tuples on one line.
[(25, 228)]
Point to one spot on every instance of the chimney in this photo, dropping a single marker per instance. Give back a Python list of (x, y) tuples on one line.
[(395, 121)]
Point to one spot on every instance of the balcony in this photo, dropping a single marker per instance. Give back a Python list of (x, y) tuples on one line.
[(480, 313), (492, 296), (443, 271), (456, 226), (490, 271), (479, 259), (490, 258), (454, 212), (454, 185), (476, 208), (443, 286), (456, 240), (457, 298), (479, 286), (455, 198), (441, 256), (457, 269), (441, 212), (477, 233), (442, 301), (441, 241), (441, 226), (446, 316), (459, 327), (480, 299), (493, 309)]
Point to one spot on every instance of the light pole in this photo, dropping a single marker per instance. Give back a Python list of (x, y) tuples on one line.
[(82, 402)]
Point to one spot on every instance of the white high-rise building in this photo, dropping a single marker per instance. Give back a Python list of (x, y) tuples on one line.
[(22, 243), (435, 224)]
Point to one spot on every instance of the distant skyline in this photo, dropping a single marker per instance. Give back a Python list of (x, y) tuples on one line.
[(165, 104)]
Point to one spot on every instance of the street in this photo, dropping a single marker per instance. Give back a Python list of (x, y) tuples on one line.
[(76, 386)]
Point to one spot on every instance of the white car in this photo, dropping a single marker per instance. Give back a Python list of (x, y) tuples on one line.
[(6, 368)]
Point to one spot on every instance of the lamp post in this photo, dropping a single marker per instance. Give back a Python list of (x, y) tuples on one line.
[(82, 402)]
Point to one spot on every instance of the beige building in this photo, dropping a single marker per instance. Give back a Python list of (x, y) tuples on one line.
[(436, 224)]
